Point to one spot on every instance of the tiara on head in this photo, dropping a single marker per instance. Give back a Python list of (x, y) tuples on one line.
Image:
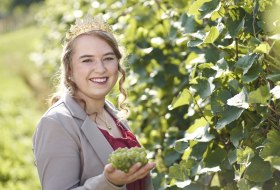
[(87, 24)]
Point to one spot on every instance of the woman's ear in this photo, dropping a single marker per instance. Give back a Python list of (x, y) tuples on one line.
[(70, 74)]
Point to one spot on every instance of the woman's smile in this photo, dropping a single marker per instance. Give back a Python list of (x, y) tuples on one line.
[(99, 80)]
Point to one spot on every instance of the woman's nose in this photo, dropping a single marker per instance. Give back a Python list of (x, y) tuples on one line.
[(100, 67)]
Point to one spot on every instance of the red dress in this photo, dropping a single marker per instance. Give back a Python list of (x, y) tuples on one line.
[(128, 140)]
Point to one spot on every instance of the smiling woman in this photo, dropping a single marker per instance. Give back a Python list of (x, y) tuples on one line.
[(94, 69), (75, 137)]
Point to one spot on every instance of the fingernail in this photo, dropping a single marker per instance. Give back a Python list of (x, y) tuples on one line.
[(137, 165)]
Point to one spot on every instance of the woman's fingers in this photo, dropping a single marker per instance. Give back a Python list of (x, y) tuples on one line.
[(109, 168), (135, 167), (138, 172)]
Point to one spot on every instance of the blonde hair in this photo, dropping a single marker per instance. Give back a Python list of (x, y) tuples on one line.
[(65, 84)]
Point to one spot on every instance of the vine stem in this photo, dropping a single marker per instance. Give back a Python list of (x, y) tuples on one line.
[(201, 112), (210, 125), (254, 18), (275, 111), (236, 48), (273, 124), (250, 117)]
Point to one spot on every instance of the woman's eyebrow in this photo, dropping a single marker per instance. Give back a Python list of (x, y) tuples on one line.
[(85, 56), (109, 53), (90, 56)]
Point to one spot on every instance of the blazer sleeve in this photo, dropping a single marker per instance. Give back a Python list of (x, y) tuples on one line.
[(58, 161)]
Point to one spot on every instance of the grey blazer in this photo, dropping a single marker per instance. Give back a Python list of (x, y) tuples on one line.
[(70, 151)]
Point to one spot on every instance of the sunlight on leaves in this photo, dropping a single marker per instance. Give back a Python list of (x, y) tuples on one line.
[(183, 98), (239, 100), (276, 92)]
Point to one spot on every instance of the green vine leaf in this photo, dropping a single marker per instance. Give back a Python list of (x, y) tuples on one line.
[(181, 145), (252, 74), (272, 147), (178, 172), (273, 77), (228, 116), (246, 62), (260, 95), (194, 8), (274, 161), (219, 101), (258, 171), (212, 35), (244, 156), (215, 157), (262, 48), (201, 134), (202, 86), (188, 23), (208, 8), (237, 134), (235, 26), (184, 98), (243, 184)]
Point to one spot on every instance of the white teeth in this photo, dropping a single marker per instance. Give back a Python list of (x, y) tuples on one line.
[(99, 79)]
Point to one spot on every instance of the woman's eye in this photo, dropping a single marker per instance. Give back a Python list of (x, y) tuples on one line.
[(109, 59), (86, 61)]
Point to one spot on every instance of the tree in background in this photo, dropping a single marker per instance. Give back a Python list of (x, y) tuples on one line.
[(7, 6), (17, 14), (203, 85)]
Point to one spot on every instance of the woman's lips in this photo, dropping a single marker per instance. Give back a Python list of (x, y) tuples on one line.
[(99, 79)]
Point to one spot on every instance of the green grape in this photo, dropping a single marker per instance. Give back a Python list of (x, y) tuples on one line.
[(124, 158)]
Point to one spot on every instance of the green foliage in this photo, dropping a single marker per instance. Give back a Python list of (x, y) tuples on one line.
[(203, 79), (18, 113)]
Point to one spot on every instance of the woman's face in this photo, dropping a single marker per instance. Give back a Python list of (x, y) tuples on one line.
[(94, 67)]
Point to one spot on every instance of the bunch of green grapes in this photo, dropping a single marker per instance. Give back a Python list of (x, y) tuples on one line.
[(124, 158)]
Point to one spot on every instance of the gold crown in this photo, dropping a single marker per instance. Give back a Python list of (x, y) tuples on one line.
[(87, 24)]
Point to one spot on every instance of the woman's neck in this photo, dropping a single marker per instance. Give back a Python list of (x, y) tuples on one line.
[(93, 106)]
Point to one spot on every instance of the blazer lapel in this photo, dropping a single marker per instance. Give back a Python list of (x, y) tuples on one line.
[(75, 109), (97, 140), (95, 137)]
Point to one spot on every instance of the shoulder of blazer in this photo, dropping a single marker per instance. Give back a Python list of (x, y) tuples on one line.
[(58, 113), (58, 107), (52, 110), (67, 106), (61, 114)]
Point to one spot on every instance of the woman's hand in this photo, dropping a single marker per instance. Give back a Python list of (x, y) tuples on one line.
[(118, 177)]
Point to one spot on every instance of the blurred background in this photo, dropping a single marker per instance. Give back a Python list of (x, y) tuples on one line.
[(203, 86), (20, 107)]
